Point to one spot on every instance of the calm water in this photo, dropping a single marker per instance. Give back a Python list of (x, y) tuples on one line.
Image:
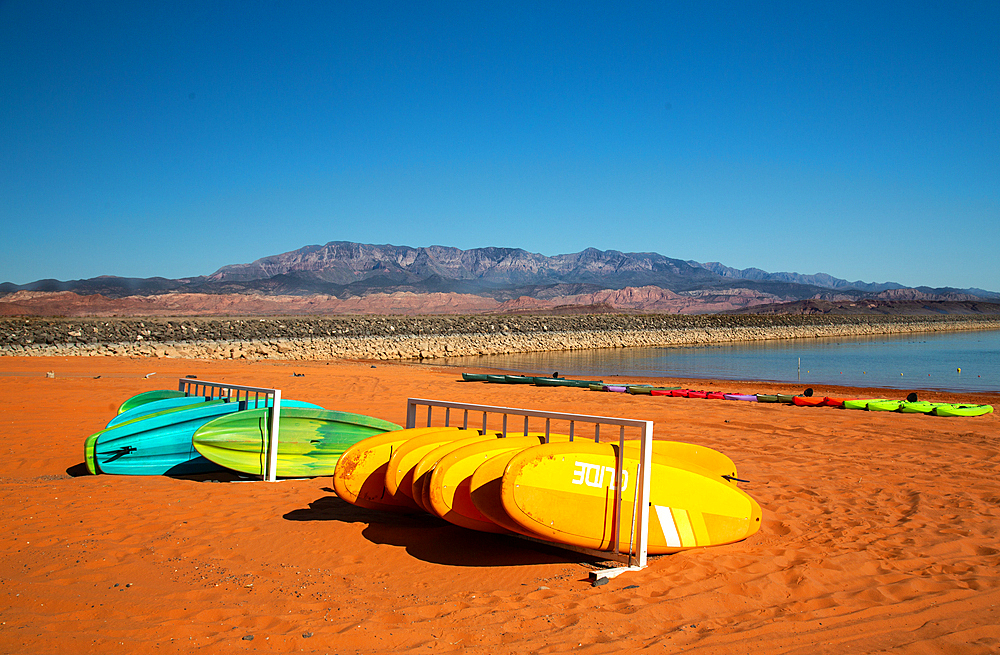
[(921, 361)]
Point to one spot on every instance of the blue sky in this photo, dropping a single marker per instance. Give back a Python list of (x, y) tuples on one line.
[(859, 139)]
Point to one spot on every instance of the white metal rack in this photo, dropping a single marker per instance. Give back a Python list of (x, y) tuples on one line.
[(241, 394), (635, 557)]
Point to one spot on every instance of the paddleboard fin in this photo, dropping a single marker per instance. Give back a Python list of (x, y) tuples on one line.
[(733, 478)]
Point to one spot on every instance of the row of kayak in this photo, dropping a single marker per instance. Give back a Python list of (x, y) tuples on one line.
[(164, 432), (870, 404), (540, 381), (562, 491)]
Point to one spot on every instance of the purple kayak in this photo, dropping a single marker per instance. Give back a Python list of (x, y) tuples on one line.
[(617, 388), (741, 396)]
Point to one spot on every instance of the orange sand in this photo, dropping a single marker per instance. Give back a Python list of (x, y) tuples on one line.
[(880, 534)]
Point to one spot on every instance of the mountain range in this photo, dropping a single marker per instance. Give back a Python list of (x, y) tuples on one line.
[(347, 277)]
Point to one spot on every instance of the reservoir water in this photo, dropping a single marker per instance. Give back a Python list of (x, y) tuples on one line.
[(956, 361)]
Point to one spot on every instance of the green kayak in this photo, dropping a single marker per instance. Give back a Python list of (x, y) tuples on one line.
[(918, 407), (958, 409), (859, 403), (884, 405)]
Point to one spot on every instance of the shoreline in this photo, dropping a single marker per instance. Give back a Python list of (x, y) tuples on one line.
[(428, 338)]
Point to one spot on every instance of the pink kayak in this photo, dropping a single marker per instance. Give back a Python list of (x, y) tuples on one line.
[(751, 398)]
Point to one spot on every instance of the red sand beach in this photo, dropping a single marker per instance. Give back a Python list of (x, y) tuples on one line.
[(880, 533)]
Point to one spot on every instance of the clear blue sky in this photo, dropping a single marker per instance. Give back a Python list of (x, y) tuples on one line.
[(859, 139)]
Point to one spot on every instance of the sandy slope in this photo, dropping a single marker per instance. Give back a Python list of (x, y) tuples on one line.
[(880, 534)]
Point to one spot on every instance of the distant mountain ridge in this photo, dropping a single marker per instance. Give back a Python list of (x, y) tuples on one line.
[(478, 279), (345, 263), (818, 280)]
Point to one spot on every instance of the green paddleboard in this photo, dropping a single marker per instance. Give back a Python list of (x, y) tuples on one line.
[(88, 453), (310, 441), (148, 397)]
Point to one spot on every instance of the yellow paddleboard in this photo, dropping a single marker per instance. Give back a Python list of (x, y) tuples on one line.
[(451, 481), (399, 472), (359, 478), (484, 492), (701, 456), (565, 492), (484, 486), (422, 470)]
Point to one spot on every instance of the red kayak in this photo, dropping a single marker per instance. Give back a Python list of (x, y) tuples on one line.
[(697, 394), (716, 395), (809, 401)]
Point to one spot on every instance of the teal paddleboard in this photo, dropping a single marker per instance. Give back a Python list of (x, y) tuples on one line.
[(310, 441), (156, 406)]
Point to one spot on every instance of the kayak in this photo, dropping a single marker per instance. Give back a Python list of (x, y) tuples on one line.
[(958, 409), (884, 405), (748, 397), (564, 382), (918, 407), (861, 403), (647, 390)]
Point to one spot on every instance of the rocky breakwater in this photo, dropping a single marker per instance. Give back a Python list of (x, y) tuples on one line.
[(382, 338)]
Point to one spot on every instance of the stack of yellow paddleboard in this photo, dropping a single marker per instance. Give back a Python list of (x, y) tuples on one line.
[(560, 491)]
